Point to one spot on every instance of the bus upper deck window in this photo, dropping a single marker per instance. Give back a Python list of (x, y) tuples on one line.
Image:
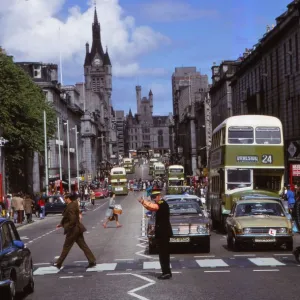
[(240, 135), (267, 135)]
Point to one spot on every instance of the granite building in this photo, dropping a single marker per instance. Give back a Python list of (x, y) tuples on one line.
[(267, 81), (145, 131), (120, 126), (187, 83)]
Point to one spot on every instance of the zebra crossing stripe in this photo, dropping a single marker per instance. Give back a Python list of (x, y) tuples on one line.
[(266, 262), (211, 263), (103, 267), (46, 270)]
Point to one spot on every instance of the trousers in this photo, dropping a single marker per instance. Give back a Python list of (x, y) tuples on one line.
[(78, 238), (164, 255)]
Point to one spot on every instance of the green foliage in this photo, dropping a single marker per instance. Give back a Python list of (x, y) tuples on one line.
[(22, 105)]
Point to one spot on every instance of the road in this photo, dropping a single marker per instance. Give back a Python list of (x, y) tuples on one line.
[(125, 270)]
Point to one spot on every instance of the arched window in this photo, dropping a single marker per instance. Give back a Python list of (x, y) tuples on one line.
[(160, 138)]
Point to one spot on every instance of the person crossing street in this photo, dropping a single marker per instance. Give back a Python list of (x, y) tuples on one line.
[(73, 229), (163, 231)]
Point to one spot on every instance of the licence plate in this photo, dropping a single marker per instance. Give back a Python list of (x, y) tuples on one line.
[(180, 240), (265, 240), (119, 189)]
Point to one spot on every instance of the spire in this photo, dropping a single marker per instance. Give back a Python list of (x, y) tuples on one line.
[(150, 93), (96, 45), (95, 17), (106, 60), (130, 112)]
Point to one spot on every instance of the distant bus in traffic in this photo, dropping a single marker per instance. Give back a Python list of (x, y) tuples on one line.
[(151, 163), (246, 157), (118, 181), (175, 184), (159, 170), (128, 164)]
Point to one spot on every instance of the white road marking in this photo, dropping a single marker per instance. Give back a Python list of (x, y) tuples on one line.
[(204, 256), (24, 238), (103, 267), (133, 291), (285, 254), (144, 255), (41, 264), (124, 259), (80, 261), (211, 263), (265, 261), (66, 277), (140, 245), (244, 255), (220, 271), (56, 257), (268, 270), (100, 206), (149, 265), (46, 270)]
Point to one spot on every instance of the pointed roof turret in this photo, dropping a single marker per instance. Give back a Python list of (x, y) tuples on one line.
[(150, 93), (106, 60), (96, 17), (96, 45), (130, 113)]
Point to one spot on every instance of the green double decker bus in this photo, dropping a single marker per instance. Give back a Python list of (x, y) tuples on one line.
[(246, 158), (175, 184), (152, 161), (118, 181), (128, 164), (159, 170)]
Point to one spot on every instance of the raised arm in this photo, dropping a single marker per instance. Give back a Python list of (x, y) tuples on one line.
[(149, 205)]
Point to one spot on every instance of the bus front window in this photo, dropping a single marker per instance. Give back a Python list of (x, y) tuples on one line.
[(175, 182), (268, 135), (240, 135), (238, 178)]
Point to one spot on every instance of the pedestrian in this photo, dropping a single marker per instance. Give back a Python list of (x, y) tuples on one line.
[(18, 205), (8, 206), (41, 204), (110, 215), (73, 229), (28, 202), (92, 195), (163, 231), (290, 196)]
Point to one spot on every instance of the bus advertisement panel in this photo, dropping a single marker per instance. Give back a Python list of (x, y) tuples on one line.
[(119, 181), (246, 158)]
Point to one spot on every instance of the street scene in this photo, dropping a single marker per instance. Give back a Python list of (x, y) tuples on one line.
[(136, 163)]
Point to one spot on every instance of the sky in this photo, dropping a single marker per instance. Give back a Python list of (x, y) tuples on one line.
[(146, 39)]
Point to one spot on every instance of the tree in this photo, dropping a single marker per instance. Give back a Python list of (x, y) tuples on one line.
[(22, 104)]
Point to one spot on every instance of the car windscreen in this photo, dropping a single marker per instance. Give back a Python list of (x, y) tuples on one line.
[(259, 208), (184, 208)]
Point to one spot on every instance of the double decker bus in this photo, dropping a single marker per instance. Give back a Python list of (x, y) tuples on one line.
[(159, 170), (175, 184), (246, 158), (128, 164), (152, 161), (118, 181)]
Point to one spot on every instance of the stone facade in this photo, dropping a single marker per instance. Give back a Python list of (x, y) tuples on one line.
[(66, 102), (97, 130), (120, 125), (220, 91), (145, 131), (268, 79), (187, 83)]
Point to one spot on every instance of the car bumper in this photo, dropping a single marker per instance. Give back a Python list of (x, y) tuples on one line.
[(264, 239), (184, 240)]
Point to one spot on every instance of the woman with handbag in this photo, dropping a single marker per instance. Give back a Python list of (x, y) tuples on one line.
[(110, 214)]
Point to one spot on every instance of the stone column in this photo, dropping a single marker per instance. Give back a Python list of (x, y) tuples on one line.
[(36, 174)]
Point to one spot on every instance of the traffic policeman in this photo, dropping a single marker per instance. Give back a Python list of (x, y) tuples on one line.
[(163, 231)]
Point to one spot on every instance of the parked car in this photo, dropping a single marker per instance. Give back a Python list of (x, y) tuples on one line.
[(16, 268), (259, 222), (54, 204), (190, 226), (101, 193)]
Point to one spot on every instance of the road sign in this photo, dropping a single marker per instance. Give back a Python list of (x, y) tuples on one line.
[(292, 149)]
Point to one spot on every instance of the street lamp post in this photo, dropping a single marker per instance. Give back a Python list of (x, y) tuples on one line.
[(59, 142), (77, 155), (46, 154), (2, 143), (69, 163)]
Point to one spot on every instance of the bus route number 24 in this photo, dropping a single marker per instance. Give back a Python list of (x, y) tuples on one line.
[(267, 159)]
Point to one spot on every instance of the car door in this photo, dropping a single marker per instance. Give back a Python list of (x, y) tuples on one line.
[(49, 205), (58, 205), (9, 253)]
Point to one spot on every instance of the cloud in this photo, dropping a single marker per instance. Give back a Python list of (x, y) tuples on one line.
[(33, 30), (173, 10)]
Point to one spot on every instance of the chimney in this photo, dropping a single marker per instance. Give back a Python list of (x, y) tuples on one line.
[(138, 90), (87, 48)]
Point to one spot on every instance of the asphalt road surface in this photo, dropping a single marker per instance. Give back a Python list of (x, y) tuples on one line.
[(125, 270)]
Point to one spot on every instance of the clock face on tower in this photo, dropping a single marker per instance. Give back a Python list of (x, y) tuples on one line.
[(97, 62)]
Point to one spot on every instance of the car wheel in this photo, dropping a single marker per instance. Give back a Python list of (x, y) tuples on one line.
[(229, 241), (29, 288), (235, 244), (206, 247), (289, 246), (10, 292)]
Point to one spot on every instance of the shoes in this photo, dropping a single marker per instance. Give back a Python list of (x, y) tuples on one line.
[(56, 265), (164, 276), (104, 225), (119, 226), (296, 255), (91, 265)]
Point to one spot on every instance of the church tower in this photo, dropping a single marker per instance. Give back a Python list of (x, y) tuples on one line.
[(96, 122)]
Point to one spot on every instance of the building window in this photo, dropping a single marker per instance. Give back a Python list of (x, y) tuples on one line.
[(290, 56), (96, 84), (284, 57), (297, 54), (160, 139)]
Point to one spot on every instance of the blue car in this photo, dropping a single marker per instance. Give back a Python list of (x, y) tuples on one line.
[(16, 268)]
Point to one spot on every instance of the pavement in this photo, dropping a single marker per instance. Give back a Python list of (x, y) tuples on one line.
[(125, 270)]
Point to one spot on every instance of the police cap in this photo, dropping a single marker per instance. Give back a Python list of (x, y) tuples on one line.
[(155, 193)]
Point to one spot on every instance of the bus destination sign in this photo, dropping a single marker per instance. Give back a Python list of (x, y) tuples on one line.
[(247, 158)]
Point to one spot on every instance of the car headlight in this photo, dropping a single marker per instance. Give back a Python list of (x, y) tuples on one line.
[(247, 230), (203, 228), (282, 230)]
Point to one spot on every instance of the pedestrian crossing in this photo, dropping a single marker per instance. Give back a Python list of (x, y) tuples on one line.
[(176, 264)]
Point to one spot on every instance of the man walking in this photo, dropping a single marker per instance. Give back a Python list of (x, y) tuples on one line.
[(163, 231), (73, 229)]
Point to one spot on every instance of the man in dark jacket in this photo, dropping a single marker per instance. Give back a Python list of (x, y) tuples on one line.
[(73, 229), (163, 231)]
